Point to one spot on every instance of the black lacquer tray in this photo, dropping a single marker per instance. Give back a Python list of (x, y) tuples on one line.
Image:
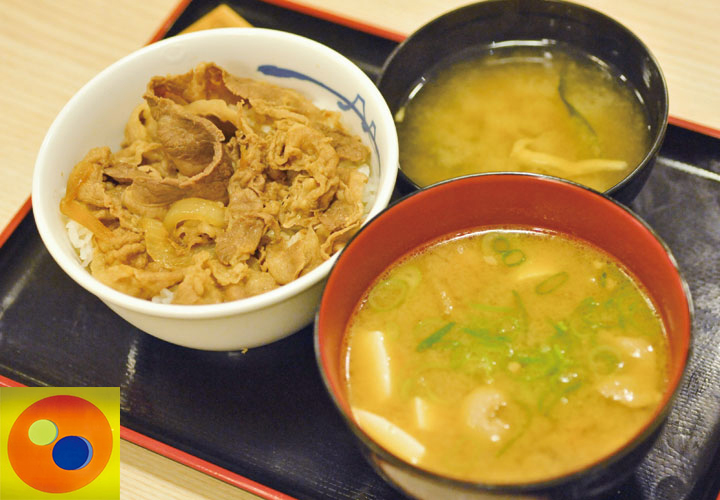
[(264, 415)]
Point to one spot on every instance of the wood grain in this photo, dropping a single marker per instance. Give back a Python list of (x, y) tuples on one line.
[(145, 475), (48, 50)]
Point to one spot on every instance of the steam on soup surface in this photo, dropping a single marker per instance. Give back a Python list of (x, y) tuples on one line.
[(532, 109), (505, 355)]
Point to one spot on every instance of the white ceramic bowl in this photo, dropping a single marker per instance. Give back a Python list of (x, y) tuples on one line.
[(97, 114)]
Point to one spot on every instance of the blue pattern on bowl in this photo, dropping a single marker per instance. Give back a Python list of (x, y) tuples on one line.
[(357, 105)]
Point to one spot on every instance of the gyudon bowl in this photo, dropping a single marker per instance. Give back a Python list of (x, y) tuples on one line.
[(174, 138), (504, 336)]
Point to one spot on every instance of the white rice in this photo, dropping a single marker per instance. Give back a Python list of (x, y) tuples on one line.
[(164, 297), (370, 192), (81, 240)]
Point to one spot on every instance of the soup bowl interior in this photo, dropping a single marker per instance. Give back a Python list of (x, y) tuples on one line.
[(501, 200), (477, 28), (97, 114)]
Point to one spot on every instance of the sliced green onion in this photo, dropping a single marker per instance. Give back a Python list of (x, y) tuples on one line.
[(555, 392), (604, 360), (535, 365), (587, 311), (552, 283), (561, 328), (500, 244), (426, 326), (477, 332), (529, 360), (409, 274), (435, 337), (512, 258), (601, 315), (484, 336), (564, 334), (523, 318), (519, 305), (388, 294), (602, 280), (559, 353)]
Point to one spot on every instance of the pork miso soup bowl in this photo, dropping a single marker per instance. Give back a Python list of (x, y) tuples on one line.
[(97, 116), (541, 86), (443, 340)]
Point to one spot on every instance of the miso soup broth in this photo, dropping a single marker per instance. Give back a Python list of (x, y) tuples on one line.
[(505, 355), (541, 109)]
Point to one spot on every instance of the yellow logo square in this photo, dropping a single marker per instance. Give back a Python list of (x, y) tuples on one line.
[(59, 443)]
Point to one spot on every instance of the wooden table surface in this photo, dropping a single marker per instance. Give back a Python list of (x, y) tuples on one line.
[(50, 48)]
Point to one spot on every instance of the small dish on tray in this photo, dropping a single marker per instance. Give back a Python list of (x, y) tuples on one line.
[(537, 86), (97, 115)]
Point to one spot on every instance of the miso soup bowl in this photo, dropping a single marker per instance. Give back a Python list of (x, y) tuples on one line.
[(489, 200), (477, 28), (96, 116)]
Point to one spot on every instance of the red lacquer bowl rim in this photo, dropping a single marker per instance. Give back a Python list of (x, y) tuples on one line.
[(612, 208)]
